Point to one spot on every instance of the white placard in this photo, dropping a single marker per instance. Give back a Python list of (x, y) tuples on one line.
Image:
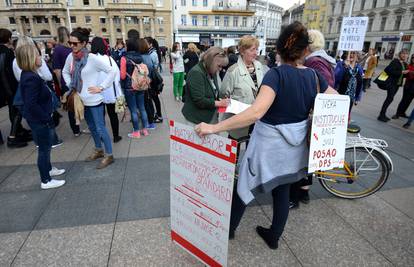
[(328, 135), (202, 176), (236, 107), (352, 35)]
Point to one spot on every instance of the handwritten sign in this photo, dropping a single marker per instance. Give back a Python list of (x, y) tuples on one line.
[(202, 176), (352, 35), (328, 136)]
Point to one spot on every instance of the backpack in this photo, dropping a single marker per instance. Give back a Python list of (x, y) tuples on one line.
[(140, 80)]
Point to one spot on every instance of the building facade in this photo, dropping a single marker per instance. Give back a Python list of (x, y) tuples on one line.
[(314, 14), (212, 22), (295, 13), (273, 18), (114, 20), (390, 24)]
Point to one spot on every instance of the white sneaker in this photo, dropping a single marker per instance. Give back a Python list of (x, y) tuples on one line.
[(86, 131), (52, 184), (56, 172)]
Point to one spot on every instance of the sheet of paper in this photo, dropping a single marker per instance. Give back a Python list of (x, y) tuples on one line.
[(236, 107)]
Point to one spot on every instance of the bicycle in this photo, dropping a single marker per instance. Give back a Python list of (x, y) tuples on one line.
[(366, 169)]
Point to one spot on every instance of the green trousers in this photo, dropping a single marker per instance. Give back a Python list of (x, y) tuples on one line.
[(178, 83)]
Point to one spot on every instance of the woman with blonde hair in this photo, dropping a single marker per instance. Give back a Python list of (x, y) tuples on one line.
[(190, 57), (38, 109), (202, 94)]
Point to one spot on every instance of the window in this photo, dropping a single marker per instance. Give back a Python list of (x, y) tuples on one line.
[(102, 20), (86, 2), (235, 21), (217, 21), (183, 2), (103, 30), (383, 22), (56, 19), (9, 2), (244, 22), (330, 27), (412, 24), (220, 3), (38, 20), (374, 4), (194, 20), (72, 19), (184, 20), (160, 20), (342, 7), (70, 2), (160, 2), (146, 20), (118, 30), (205, 20), (397, 23), (362, 4), (338, 30), (194, 2), (370, 22), (12, 20), (226, 21), (333, 8), (88, 19), (117, 20), (387, 3), (101, 3), (205, 2)]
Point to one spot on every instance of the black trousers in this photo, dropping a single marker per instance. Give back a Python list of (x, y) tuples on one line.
[(113, 118), (408, 96), (72, 122), (154, 97), (15, 119), (280, 196), (296, 187), (149, 107), (388, 100)]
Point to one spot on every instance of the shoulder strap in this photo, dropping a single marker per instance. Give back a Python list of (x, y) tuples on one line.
[(318, 86), (113, 83)]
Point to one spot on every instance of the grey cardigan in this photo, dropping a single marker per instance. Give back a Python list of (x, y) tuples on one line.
[(276, 155), (238, 85)]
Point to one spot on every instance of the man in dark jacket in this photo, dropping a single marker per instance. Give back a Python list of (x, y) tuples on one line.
[(8, 88), (396, 71)]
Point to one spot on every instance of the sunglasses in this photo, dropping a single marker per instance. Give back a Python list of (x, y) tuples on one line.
[(73, 43)]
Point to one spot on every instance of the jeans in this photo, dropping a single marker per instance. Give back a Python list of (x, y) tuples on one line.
[(280, 197), (136, 101), (411, 118), (178, 83), (43, 135), (390, 97), (94, 116)]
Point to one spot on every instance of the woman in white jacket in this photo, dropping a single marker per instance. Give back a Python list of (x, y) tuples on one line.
[(82, 73), (178, 71), (100, 48)]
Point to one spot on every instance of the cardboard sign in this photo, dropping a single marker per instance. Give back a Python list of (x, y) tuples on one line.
[(202, 176), (353, 31), (328, 135)]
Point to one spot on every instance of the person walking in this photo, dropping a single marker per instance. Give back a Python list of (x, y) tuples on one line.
[(18, 136), (408, 93), (61, 52), (280, 113), (151, 60), (100, 47), (178, 71), (202, 97), (38, 110), (396, 71), (82, 72), (369, 68), (134, 99)]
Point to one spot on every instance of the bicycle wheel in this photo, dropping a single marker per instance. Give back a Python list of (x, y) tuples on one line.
[(365, 172)]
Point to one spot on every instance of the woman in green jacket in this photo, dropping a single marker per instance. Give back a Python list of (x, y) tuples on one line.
[(202, 91)]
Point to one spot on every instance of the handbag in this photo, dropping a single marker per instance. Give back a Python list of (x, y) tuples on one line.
[(120, 100), (68, 101), (309, 131), (383, 81)]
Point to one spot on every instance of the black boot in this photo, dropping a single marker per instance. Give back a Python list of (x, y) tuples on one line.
[(268, 237), (304, 196), (15, 142)]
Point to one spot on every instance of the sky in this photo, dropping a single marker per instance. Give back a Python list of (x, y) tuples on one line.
[(286, 3)]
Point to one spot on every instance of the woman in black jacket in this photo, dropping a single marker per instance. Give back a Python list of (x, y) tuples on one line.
[(396, 71), (38, 110), (190, 57)]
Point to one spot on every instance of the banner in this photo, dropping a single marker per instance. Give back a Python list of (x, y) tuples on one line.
[(352, 35), (328, 135), (202, 176)]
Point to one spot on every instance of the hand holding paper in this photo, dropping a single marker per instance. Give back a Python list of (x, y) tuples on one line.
[(236, 107)]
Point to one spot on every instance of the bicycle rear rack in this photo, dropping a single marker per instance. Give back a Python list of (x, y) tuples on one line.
[(364, 141)]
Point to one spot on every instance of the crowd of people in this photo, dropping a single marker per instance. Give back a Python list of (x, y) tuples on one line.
[(91, 79)]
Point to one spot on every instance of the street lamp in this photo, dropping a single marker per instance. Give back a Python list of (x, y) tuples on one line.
[(68, 14)]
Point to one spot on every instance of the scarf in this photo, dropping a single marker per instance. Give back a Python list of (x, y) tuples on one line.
[(79, 61), (352, 83)]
